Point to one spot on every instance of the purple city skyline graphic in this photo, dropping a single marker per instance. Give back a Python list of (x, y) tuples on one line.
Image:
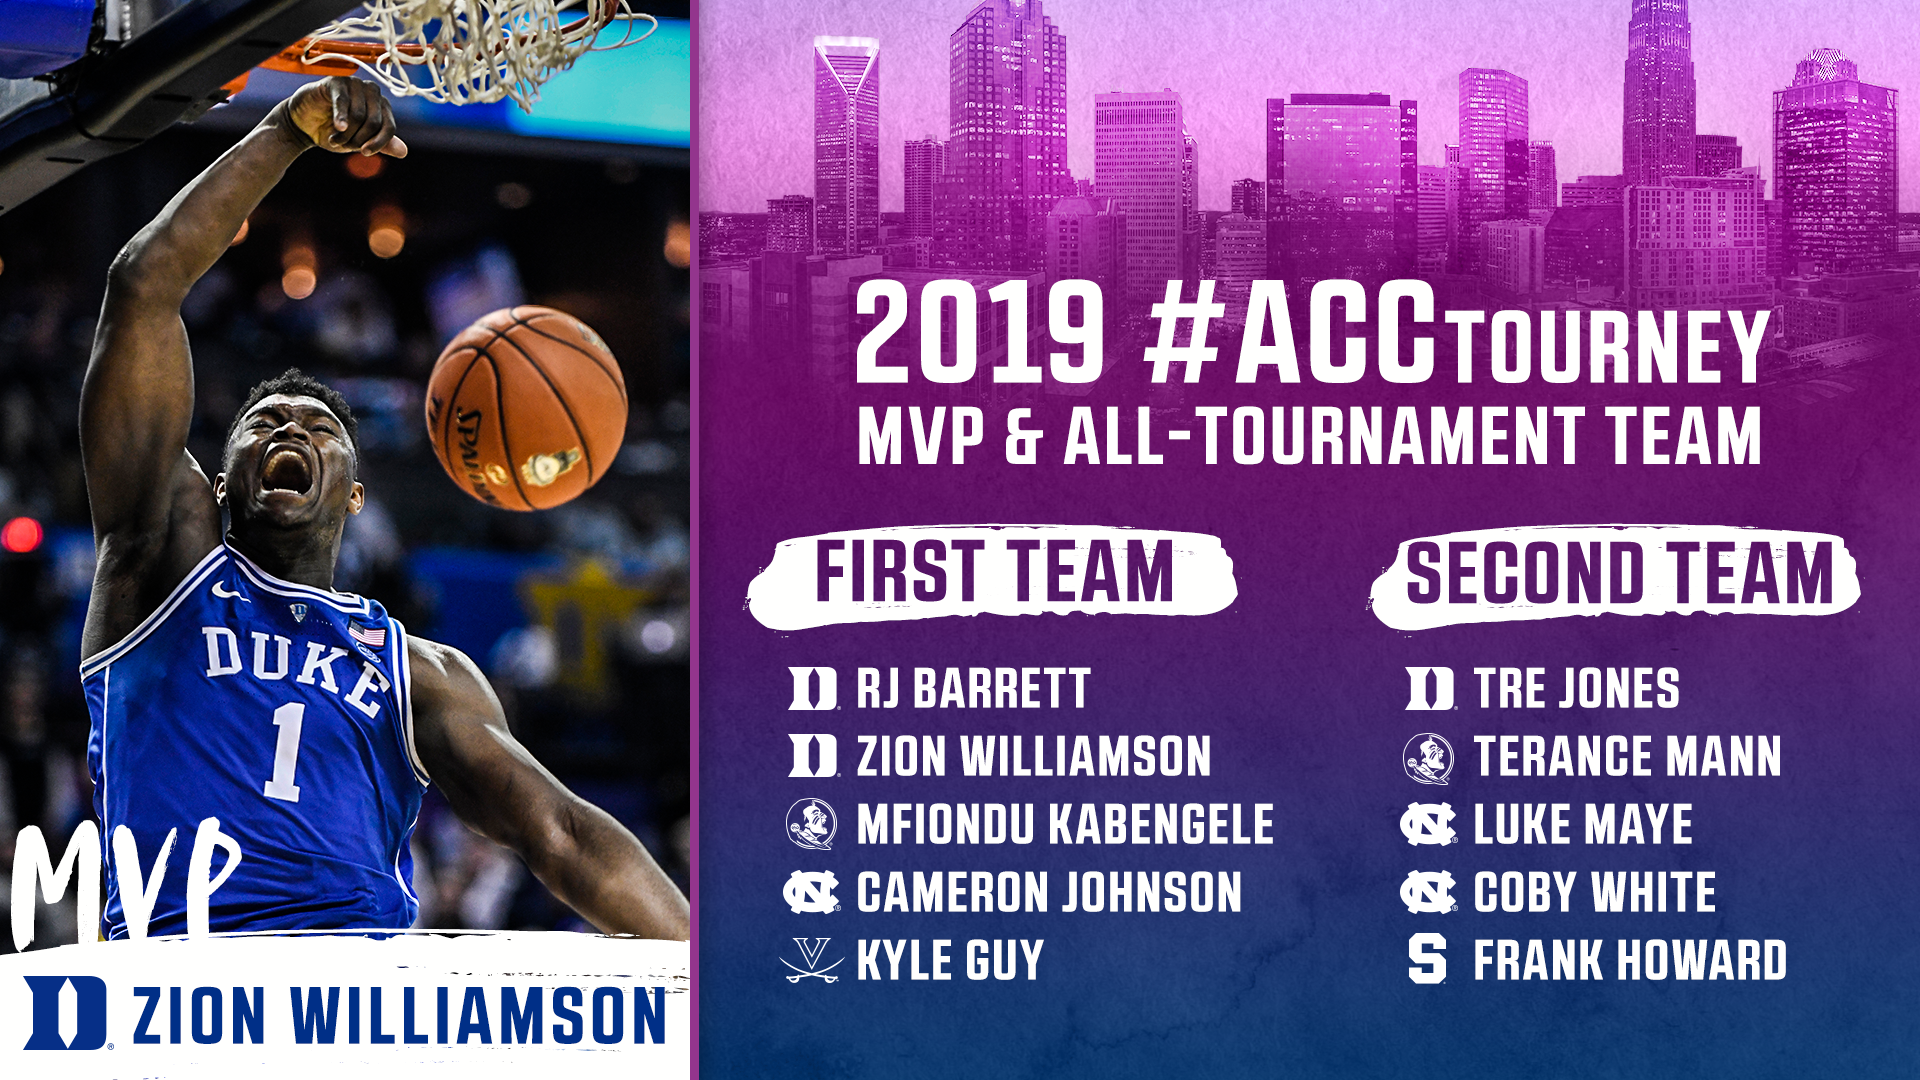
[(1478, 191)]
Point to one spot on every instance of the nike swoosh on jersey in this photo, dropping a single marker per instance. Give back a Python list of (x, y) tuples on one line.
[(229, 595)]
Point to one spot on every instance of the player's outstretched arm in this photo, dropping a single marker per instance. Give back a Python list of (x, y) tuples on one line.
[(576, 849), (153, 511)]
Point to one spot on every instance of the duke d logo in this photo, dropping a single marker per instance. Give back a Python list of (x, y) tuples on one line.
[(90, 1030), (1442, 699)]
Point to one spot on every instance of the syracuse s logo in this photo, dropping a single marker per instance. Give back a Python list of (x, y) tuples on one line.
[(90, 1030)]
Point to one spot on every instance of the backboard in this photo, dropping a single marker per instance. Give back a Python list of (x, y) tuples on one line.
[(148, 65)]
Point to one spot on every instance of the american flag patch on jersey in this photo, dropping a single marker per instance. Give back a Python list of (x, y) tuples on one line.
[(372, 637)]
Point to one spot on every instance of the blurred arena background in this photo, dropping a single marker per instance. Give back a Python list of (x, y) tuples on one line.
[(359, 270)]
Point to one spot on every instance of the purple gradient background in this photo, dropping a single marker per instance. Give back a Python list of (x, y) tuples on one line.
[(1303, 692), (755, 74), (1300, 686)]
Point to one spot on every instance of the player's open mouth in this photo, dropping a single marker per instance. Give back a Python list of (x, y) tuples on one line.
[(286, 469)]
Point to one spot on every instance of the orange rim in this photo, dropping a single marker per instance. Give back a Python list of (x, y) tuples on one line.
[(310, 57)]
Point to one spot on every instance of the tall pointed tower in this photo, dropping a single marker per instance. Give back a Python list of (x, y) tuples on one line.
[(846, 145), (1658, 128)]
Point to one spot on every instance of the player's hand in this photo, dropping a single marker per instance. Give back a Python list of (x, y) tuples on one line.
[(345, 116)]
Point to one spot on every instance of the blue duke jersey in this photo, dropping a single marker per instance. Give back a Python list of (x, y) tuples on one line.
[(284, 711)]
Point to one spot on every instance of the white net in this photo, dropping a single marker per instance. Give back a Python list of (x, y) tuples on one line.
[(463, 52)]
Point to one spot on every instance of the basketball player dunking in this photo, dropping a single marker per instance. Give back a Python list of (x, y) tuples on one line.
[(225, 677)]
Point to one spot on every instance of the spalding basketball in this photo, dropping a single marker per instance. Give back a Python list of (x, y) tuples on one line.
[(526, 408)]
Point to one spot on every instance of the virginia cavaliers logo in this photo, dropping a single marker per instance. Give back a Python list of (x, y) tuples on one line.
[(810, 955), (299, 612)]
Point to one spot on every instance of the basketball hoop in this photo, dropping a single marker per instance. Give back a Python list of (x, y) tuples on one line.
[(460, 52)]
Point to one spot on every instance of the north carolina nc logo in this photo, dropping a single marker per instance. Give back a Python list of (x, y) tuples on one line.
[(1428, 892), (1426, 823), (811, 891), (811, 824)]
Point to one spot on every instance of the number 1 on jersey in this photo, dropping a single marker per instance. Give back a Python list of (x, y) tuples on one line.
[(286, 752)]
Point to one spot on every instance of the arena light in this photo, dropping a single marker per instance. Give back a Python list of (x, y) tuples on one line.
[(386, 231), (298, 282), (513, 196), (21, 535), (365, 166), (679, 246), (298, 278), (658, 636)]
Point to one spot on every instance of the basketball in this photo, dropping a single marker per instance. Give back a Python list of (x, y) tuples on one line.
[(526, 408)]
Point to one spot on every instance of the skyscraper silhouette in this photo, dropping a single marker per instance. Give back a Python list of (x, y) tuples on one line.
[(926, 163), (1087, 240), (1658, 128), (1543, 176), (1835, 164), (1697, 242), (1189, 206), (1342, 187), (1139, 160), (846, 144), (1240, 257), (1249, 198), (1007, 143), (1715, 155), (790, 224), (1494, 155), (1434, 218)]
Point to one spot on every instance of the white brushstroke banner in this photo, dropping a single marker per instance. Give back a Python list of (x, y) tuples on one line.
[(929, 571), (304, 1003), (1553, 571)]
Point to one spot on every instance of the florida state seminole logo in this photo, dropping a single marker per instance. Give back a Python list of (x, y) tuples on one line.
[(811, 824), (1428, 759)]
